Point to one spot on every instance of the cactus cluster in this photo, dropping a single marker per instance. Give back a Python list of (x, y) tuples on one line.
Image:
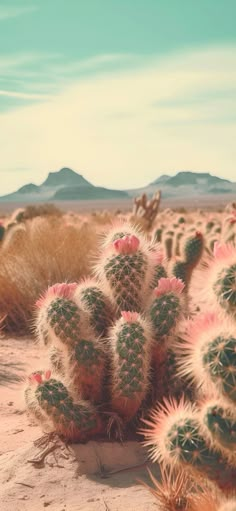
[(134, 337), (108, 338), (201, 434)]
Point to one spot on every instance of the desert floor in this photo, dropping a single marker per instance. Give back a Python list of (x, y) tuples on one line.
[(208, 202), (74, 478)]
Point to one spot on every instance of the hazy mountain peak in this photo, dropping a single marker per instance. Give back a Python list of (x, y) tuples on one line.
[(65, 177), (160, 180), (187, 177)]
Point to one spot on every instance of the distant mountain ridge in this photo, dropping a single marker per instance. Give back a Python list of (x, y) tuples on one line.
[(66, 184), (188, 182)]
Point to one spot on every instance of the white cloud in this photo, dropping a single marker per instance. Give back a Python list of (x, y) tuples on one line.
[(12, 12), (119, 130), (22, 95)]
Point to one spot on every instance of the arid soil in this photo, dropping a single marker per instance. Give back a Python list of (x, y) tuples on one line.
[(94, 476), (208, 202)]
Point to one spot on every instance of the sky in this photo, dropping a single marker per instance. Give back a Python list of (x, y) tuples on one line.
[(120, 91)]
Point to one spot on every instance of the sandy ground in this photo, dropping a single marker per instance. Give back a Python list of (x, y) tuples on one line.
[(95, 476)]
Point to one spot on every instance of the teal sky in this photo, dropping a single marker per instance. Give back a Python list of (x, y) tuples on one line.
[(106, 86)]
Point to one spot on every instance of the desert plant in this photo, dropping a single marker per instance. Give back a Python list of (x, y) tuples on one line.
[(35, 255), (103, 334), (119, 343), (203, 435), (146, 209)]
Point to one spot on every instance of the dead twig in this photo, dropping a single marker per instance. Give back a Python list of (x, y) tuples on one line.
[(25, 484)]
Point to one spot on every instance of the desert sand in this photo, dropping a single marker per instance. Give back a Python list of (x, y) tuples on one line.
[(94, 476)]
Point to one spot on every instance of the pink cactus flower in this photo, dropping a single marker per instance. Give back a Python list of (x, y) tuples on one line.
[(169, 285), (38, 378), (63, 290), (130, 317), (126, 245)]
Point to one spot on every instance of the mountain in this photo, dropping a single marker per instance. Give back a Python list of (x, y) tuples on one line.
[(161, 180), (187, 183), (65, 177), (193, 178), (65, 184), (30, 188), (68, 185), (88, 193)]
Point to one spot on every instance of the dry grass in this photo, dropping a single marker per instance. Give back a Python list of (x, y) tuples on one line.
[(32, 211), (35, 255)]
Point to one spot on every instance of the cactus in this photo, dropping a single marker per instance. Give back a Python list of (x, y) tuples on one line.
[(180, 271), (81, 356), (56, 359), (191, 255), (219, 361), (168, 244), (208, 355), (125, 273), (209, 226), (2, 231), (58, 312), (220, 421), (130, 341), (130, 335), (159, 269), (158, 235), (220, 275), (73, 420), (225, 288), (192, 250), (165, 307), (85, 367), (92, 300), (175, 436)]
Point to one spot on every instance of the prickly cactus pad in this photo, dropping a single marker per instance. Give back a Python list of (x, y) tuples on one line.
[(97, 304), (130, 344), (193, 249), (221, 423), (73, 420), (219, 359), (63, 316)]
